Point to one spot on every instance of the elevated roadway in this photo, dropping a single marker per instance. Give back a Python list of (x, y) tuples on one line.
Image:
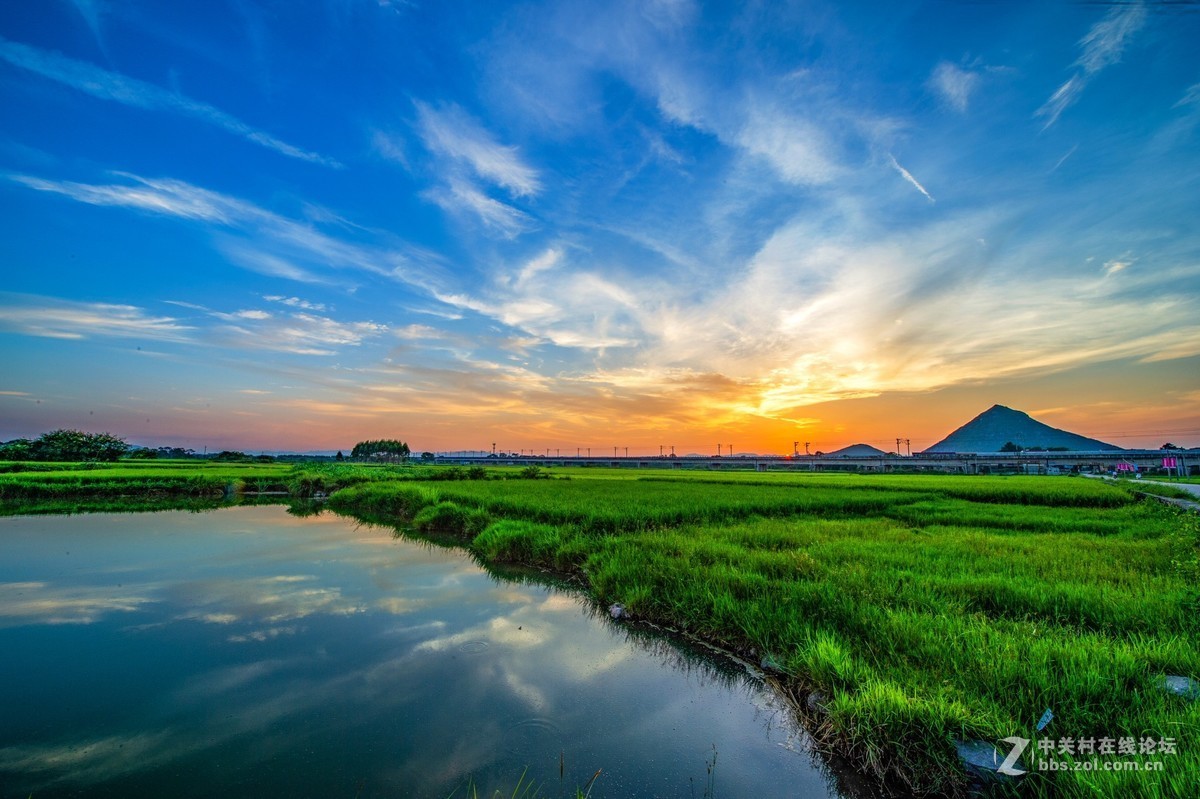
[(960, 463)]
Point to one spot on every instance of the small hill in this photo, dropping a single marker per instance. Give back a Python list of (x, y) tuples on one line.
[(998, 425), (856, 451)]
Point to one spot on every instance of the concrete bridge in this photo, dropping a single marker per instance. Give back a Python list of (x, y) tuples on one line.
[(1188, 462)]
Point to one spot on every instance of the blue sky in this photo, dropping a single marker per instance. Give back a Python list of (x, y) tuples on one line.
[(294, 225)]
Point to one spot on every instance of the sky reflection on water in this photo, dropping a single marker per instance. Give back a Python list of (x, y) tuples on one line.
[(249, 652)]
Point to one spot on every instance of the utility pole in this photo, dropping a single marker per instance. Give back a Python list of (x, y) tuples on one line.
[(627, 452), (908, 446), (795, 449), (557, 452), (729, 450), (718, 450), (493, 449), (806, 443), (898, 440), (660, 450), (577, 452), (672, 450), (614, 452), (589, 452)]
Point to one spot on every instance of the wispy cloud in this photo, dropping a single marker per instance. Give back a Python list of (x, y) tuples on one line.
[(904, 173), (565, 304), (460, 196), (798, 149), (296, 302), (1190, 97), (51, 317), (105, 85), (451, 133), (269, 243), (953, 84), (91, 15), (390, 147), (1117, 265), (170, 197), (297, 332), (1101, 47), (248, 329)]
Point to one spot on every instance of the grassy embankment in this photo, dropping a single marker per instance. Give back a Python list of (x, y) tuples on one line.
[(925, 609), (157, 485)]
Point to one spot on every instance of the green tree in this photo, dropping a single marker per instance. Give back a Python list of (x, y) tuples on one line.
[(384, 449), (19, 449), (76, 445), (1011, 447)]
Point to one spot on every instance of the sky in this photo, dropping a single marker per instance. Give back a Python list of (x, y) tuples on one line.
[(230, 224)]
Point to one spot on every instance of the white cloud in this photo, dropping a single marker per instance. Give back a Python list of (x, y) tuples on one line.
[(51, 317), (390, 147), (461, 196), (904, 173), (797, 149), (300, 333), (1102, 46), (105, 85), (450, 132), (1104, 43), (954, 84), (572, 308), (1117, 265), (1190, 97), (296, 302), (268, 243), (170, 197)]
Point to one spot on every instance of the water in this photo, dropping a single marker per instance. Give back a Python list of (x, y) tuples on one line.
[(248, 652)]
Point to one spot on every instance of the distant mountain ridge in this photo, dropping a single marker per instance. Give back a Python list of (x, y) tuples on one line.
[(998, 425), (856, 451)]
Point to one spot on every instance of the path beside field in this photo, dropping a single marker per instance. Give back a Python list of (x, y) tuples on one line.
[(1191, 488)]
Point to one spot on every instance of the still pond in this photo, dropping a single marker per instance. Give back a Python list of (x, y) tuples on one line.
[(251, 652)]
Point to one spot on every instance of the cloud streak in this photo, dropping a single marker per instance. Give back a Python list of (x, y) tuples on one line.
[(50, 317), (114, 87), (451, 133), (1101, 47), (270, 243), (904, 173), (301, 332), (460, 197)]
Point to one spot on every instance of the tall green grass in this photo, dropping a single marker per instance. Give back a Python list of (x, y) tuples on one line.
[(926, 609)]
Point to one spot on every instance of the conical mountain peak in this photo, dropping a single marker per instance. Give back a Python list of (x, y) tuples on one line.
[(1000, 426)]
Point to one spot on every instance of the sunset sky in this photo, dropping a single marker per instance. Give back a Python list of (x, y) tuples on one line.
[(296, 225)]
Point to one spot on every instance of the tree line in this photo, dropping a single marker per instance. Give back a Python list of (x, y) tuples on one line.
[(383, 449)]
